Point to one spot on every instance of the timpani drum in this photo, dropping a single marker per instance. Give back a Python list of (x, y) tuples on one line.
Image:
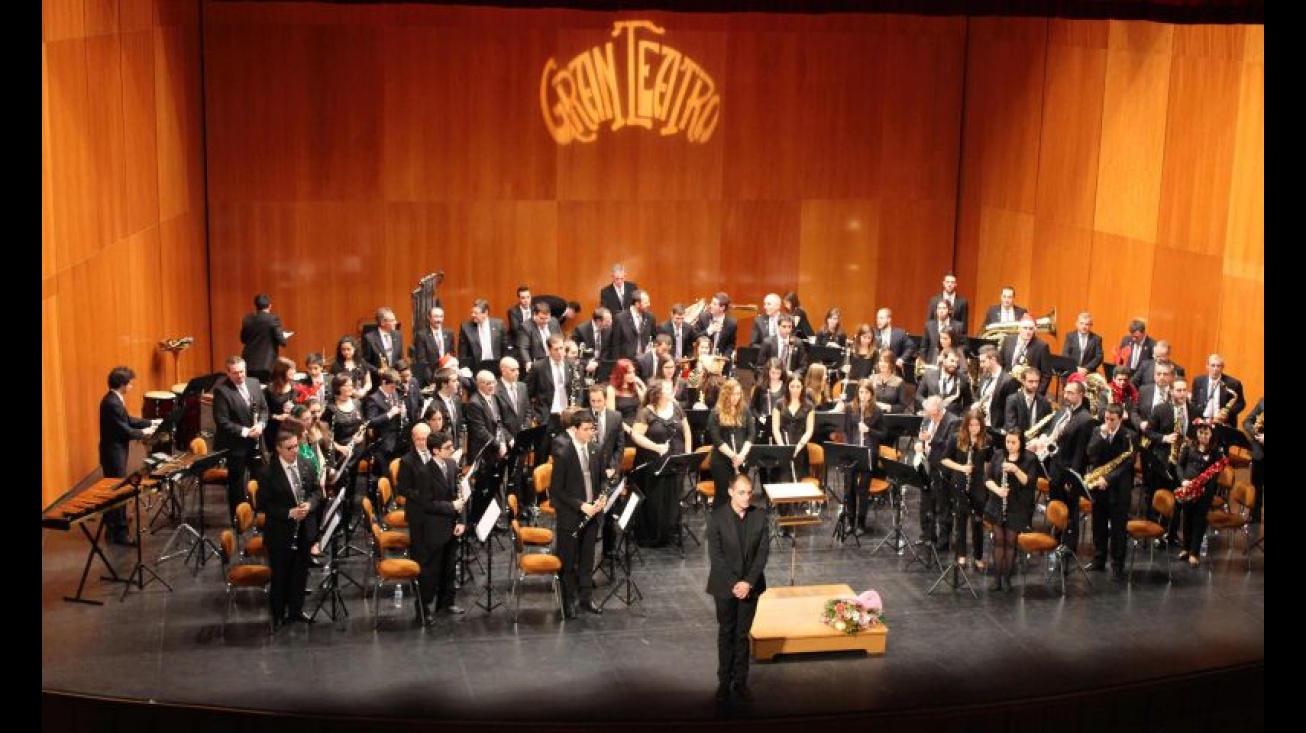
[(158, 405)]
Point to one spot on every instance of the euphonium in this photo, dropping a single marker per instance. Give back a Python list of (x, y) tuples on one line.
[(1046, 324)]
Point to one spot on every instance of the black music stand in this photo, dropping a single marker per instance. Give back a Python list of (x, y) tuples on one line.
[(198, 540), (698, 424), (1062, 368), (678, 464), (827, 355), (896, 426), (332, 537), (527, 441), (847, 458), (827, 423), (899, 475), (771, 458), (746, 358), (961, 514), (631, 594), (137, 575)]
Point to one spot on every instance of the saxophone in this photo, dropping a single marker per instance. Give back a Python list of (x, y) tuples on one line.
[(1037, 427), (1222, 415), (1179, 440), (1101, 471)]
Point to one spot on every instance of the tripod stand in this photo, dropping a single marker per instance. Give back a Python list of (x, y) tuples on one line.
[(200, 545), (487, 598), (625, 589), (960, 514), (137, 575), (899, 475), (848, 459), (332, 537)]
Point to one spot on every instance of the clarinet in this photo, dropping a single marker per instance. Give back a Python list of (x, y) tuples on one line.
[(1004, 496), (609, 485)]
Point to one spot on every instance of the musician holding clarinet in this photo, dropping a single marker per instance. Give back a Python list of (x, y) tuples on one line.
[(578, 474), (1012, 478), (289, 496), (428, 478)]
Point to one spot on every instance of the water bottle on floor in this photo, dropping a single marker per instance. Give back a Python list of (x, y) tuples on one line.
[(399, 595), (1203, 545)]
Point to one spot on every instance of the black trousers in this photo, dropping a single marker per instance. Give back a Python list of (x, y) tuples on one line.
[(936, 510), (289, 568), (237, 482), (577, 555), (1258, 481), (1062, 487), (1110, 517), (438, 571), (734, 620)]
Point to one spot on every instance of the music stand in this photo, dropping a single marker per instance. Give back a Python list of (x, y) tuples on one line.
[(771, 458), (331, 537), (847, 458), (960, 515), (678, 464), (896, 426), (140, 569), (898, 474), (746, 358), (632, 593), (698, 424), (198, 540), (827, 355), (827, 423)]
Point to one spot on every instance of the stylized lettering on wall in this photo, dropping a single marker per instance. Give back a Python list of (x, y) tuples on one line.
[(632, 81)]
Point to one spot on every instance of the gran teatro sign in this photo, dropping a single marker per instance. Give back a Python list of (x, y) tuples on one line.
[(632, 81)]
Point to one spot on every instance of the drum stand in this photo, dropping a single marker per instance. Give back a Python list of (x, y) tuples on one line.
[(200, 545)]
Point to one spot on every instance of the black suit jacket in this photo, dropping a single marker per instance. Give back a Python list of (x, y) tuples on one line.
[(1249, 425), (469, 343), (426, 352), (994, 314), (1072, 445), (902, 346), (567, 487), (485, 434), (230, 414), (943, 436), (429, 510), (960, 310), (796, 358), (117, 431), (613, 440), (1037, 355), (1005, 386), (1090, 358), (761, 329), (1146, 373), (723, 342), (514, 321), (929, 347), (515, 413), (608, 297), (1162, 423), (737, 555), (376, 408), (1100, 451), (275, 497), (540, 385), (960, 386), (262, 336), (372, 348), (1017, 413), (530, 345), (1141, 410), (626, 338), (1230, 389), (686, 338), (1125, 357)]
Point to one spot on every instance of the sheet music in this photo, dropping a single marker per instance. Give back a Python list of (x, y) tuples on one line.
[(631, 502), (486, 525), (612, 496), (332, 513)]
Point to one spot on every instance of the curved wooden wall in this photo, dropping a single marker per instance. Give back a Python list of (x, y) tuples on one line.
[(123, 256)]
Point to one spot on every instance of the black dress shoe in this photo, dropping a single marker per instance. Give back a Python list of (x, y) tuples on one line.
[(300, 618), (1095, 566), (591, 607), (996, 585), (124, 539), (454, 610), (1118, 576)]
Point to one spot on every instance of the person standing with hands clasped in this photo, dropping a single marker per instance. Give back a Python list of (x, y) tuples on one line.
[(738, 545)]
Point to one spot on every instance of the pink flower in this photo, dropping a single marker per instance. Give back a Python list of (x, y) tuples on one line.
[(870, 600)]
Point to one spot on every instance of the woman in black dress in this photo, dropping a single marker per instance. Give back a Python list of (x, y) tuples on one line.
[(887, 385), (863, 424), (802, 324), (626, 392), (1012, 475), (1190, 516), (768, 394), (831, 334), (792, 423), (730, 430), (344, 418), (968, 455), (349, 361), (661, 429), (280, 393)]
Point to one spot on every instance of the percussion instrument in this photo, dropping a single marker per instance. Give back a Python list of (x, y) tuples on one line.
[(159, 405)]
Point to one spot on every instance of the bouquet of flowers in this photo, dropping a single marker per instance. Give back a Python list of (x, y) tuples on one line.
[(851, 615)]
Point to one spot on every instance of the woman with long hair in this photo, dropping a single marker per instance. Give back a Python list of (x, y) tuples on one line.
[(280, 394), (1011, 479), (626, 392), (768, 394), (661, 429), (730, 430), (802, 324), (817, 386), (863, 424), (887, 385), (1189, 522), (967, 456), (350, 361), (348, 429), (669, 372), (831, 331), (792, 422)]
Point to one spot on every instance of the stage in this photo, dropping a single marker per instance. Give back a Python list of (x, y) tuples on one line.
[(1145, 655)]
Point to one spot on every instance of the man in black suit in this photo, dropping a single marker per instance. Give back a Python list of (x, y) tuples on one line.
[(738, 545), (1084, 346), (519, 315), (719, 327), (1026, 348), (1151, 395), (595, 339), (515, 412), (410, 396), (384, 346), (117, 431), (1135, 348), (430, 344), (1166, 422), (950, 383), (609, 444), (959, 308), (1070, 431), (1146, 373), (385, 414), (533, 335), (1218, 396), (767, 323), (547, 384), (428, 478), (1111, 492), (681, 333), (784, 346), (632, 329), (240, 413), (941, 320), (937, 431), (1027, 407), (1257, 436), (262, 338), (1006, 310), (487, 442), (895, 340), (995, 386), (481, 339), (576, 491), (647, 363), (618, 296), (288, 497)]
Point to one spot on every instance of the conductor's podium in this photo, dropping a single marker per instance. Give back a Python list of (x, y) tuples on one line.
[(788, 621)]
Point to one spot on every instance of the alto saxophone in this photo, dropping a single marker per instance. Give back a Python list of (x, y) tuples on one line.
[(1037, 427), (1101, 471), (1179, 440), (1222, 415)]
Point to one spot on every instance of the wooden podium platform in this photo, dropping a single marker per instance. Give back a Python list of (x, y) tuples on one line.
[(788, 621)]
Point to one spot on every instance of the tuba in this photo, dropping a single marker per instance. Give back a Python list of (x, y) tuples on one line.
[(1047, 324), (1094, 383)]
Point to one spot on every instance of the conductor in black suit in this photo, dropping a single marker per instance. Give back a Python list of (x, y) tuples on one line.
[(428, 478), (618, 296), (262, 338), (738, 543), (236, 403), (575, 490), (1084, 346), (288, 497), (117, 431)]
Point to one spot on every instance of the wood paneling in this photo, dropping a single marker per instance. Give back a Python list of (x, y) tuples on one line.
[(120, 124), (1068, 141)]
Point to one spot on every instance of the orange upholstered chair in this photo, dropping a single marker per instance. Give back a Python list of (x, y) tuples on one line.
[(1144, 531), (532, 536), (1043, 543), (393, 570), (529, 564), (242, 576)]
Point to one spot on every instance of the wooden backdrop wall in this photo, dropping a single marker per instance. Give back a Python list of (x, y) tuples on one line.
[(123, 255), (1118, 167)]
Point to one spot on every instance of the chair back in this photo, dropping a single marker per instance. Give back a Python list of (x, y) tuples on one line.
[(706, 463), (244, 516), (384, 491), (1058, 514), (888, 451), (518, 544), (367, 509), (198, 446), (543, 476), (512, 507), (228, 543), (816, 459), (394, 471), (1163, 502), (627, 459), (252, 488), (1244, 495)]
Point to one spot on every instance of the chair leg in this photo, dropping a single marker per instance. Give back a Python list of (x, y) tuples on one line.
[(417, 599), (557, 595), (515, 598), (376, 604), (226, 612)]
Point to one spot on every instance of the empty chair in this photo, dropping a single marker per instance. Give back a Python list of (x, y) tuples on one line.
[(394, 570), (1044, 543), (533, 564), (1145, 531), (255, 576), (532, 536)]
